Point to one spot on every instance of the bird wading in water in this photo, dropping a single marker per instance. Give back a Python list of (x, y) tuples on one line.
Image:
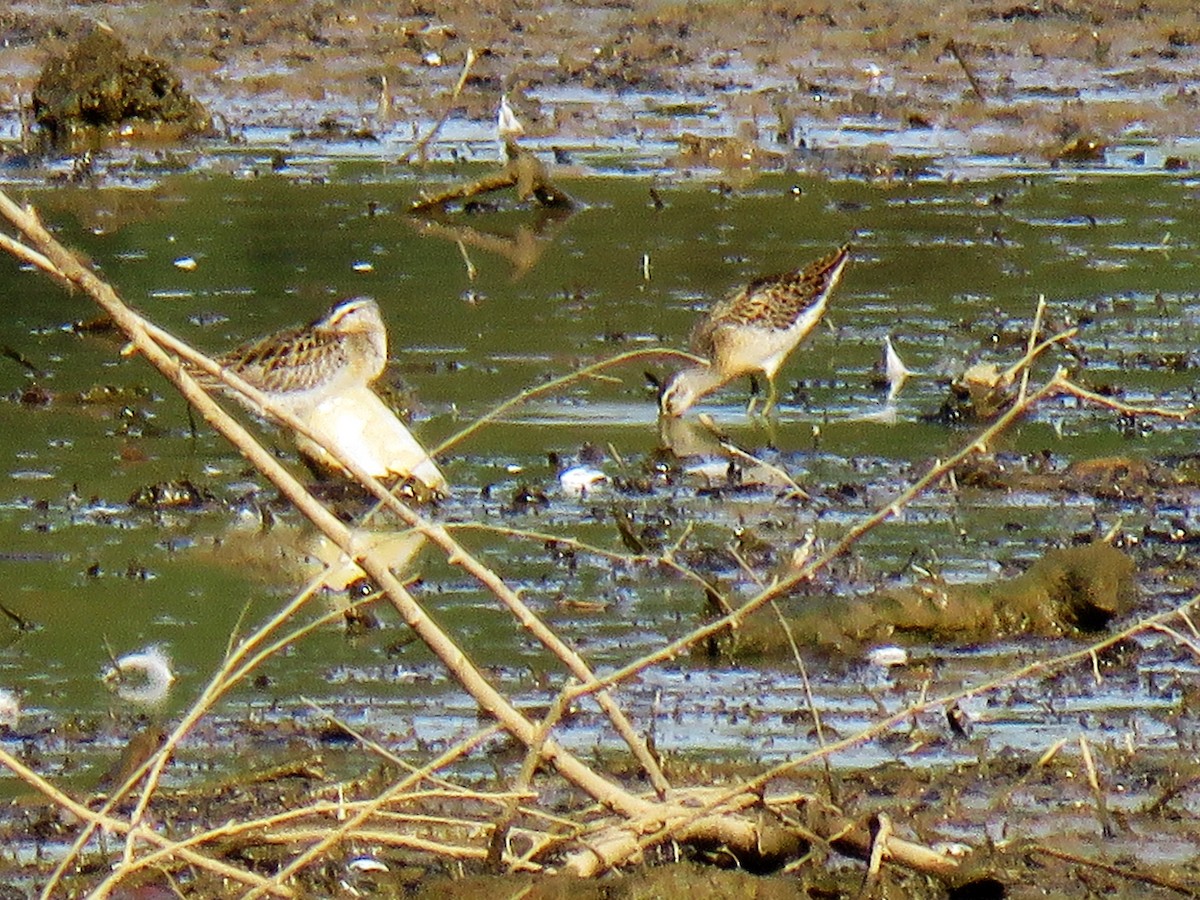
[(754, 331)]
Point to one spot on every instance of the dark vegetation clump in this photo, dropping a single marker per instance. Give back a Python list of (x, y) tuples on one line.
[(97, 86)]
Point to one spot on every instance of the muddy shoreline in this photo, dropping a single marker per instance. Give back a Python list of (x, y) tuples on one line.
[(1009, 79)]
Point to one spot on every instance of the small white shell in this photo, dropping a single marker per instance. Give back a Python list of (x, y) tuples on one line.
[(366, 864)]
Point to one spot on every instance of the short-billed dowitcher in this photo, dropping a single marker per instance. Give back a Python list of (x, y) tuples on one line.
[(320, 373), (754, 331), (298, 366)]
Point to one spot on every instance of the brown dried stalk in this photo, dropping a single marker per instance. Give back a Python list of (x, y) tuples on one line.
[(488, 698), (119, 826), (419, 148), (455, 660), (525, 172), (642, 822)]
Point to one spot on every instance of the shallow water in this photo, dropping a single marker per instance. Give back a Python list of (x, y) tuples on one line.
[(950, 270)]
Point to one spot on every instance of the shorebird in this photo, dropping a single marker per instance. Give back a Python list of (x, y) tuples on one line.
[(321, 374), (754, 331)]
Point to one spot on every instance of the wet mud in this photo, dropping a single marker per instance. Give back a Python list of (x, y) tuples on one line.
[(1061, 82), (1073, 591), (738, 89)]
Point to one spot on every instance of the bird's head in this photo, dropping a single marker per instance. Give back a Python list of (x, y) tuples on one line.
[(679, 392)]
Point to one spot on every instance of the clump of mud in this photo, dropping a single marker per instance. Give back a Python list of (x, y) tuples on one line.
[(1071, 590), (97, 87)]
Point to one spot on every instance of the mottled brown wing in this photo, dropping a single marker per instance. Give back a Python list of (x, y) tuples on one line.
[(772, 301), (295, 360)]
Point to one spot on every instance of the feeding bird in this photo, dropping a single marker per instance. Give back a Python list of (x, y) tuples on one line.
[(754, 331)]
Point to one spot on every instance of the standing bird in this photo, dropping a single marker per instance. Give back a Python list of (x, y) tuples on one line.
[(754, 331), (320, 373)]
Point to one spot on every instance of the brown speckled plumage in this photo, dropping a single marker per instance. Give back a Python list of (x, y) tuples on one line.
[(754, 330), (321, 374), (769, 302), (349, 345)]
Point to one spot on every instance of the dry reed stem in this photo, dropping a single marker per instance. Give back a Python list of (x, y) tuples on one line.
[(879, 847), (488, 698), (1127, 409), (556, 384), (533, 753), (1184, 888), (1022, 366), (72, 270), (33, 258), (1103, 818), (120, 826), (583, 864), (455, 553), (316, 835), (420, 146), (1031, 671), (320, 809), (222, 680), (779, 588), (1030, 345), (673, 820), (1059, 384), (809, 699), (952, 46), (666, 559), (449, 789), (331, 836)]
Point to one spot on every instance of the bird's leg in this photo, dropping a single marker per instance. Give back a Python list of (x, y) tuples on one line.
[(753, 395), (768, 426), (772, 397)]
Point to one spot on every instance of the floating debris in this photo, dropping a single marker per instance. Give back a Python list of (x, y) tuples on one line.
[(153, 665), (524, 171), (178, 494), (578, 481), (10, 709), (887, 657), (1085, 148)]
